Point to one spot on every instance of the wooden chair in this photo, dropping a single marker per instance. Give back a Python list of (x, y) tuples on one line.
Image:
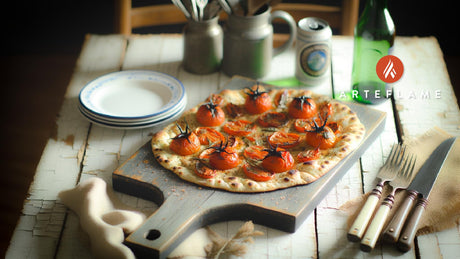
[(342, 18), (128, 17)]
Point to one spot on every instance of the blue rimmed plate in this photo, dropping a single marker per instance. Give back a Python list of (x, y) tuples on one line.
[(177, 110), (128, 126), (174, 110), (132, 95)]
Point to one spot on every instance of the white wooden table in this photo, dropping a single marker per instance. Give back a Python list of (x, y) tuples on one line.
[(81, 150)]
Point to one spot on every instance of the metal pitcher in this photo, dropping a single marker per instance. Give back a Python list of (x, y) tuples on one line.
[(202, 46), (248, 42)]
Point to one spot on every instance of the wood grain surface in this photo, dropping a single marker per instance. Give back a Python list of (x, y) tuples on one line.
[(80, 150)]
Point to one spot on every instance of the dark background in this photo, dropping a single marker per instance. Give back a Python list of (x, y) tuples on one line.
[(52, 26), (41, 41)]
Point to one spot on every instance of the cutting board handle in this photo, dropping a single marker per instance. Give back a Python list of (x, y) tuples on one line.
[(179, 217), (164, 230)]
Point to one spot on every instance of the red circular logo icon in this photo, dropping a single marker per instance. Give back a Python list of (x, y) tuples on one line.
[(390, 69)]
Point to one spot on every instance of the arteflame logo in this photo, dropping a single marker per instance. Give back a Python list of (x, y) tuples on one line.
[(390, 69)]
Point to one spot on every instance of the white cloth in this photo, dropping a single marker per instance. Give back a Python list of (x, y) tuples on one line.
[(106, 221)]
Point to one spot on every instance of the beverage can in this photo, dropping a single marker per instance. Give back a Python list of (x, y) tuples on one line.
[(313, 55)]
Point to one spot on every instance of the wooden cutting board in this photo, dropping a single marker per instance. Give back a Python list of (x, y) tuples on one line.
[(184, 207)]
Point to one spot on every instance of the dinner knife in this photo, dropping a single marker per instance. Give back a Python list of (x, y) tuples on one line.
[(420, 186)]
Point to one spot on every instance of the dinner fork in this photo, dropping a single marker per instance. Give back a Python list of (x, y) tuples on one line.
[(201, 5), (386, 173), (401, 181)]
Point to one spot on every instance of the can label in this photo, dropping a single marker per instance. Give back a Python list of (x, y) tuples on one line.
[(314, 59), (313, 53)]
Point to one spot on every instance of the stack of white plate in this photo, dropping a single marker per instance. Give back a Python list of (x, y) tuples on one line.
[(132, 99)]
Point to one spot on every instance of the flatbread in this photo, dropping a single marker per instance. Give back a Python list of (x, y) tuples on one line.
[(348, 137)]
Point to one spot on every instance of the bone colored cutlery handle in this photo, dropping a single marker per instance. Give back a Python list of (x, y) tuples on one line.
[(375, 228), (392, 231), (406, 239), (359, 226)]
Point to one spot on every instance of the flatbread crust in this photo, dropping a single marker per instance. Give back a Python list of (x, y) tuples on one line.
[(234, 180)]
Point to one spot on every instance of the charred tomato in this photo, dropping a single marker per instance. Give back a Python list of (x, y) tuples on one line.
[(284, 140), (256, 173), (238, 127), (210, 114), (277, 160), (223, 157), (257, 102), (320, 136), (208, 136), (203, 171), (308, 155), (302, 107), (185, 143), (272, 119)]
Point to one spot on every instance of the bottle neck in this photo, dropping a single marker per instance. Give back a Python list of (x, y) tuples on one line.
[(375, 14), (376, 5)]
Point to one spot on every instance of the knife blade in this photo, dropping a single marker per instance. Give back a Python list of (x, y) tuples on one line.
[(420, 186), (422, 183)]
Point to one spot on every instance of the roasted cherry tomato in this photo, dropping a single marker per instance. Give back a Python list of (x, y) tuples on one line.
[(320, 136), (272, 119), (231, 145), (210, 114), (234, 143), (223, 158), (302, 107), (238, 128), (209, 136), (277, 160), (302, 125), (257, 102), (205, 154), (255, 152), (283, 139), (335, 127), (254, 137), (326, 110), (257, 174), (185, 143), (234, 110), (308, 155), (281, 98), (203, 171)]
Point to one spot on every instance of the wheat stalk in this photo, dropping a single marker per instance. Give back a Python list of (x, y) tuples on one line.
[(235, 245)]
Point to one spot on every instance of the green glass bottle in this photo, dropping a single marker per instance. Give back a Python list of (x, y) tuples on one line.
[(374, 37)]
